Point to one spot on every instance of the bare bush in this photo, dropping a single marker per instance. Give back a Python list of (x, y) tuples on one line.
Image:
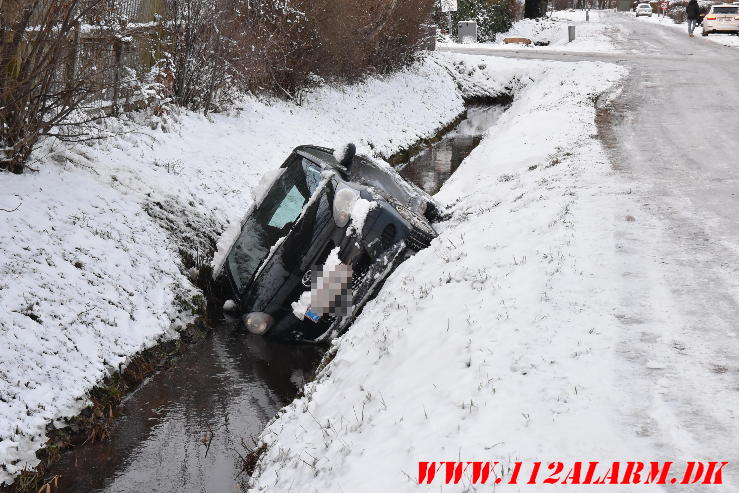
[(289, 44), (218, 46), (199, 45), (56, 56), (356, 36), (270, 46), (43, 81)]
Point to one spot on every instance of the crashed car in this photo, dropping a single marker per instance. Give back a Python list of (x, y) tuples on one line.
[(319, 241)]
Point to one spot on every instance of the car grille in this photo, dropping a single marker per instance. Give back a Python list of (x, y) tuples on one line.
[(416, 241)]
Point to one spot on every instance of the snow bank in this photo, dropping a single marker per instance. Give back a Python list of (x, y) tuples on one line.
[(495, 343), (90, 261)]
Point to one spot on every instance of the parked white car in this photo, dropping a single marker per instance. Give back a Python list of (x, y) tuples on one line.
[(722, 18), (644, 9)]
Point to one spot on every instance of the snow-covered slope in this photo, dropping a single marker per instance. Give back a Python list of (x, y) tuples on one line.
[(495, 343), (90, 270)]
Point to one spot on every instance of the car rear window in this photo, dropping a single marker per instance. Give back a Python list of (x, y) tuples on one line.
[(725, 10)]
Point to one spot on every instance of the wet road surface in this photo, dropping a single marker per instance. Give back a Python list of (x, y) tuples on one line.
[(186, 428)]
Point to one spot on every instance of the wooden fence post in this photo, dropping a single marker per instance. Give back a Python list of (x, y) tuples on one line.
[(75, 53), (118, 55)]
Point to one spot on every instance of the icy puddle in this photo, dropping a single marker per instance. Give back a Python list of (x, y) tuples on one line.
[(187, 428)]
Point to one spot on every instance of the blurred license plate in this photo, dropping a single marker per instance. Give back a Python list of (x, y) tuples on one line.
[(313, 316)]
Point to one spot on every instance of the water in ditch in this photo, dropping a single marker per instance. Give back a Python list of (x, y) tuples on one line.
[(431, 167), (187, 428)]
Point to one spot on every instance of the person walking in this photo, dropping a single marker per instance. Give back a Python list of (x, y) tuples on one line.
[(693, 13)]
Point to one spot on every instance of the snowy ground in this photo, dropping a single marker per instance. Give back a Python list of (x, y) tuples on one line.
[(89, 266), (677, 296), (594, 36), (723, 39), (496, 343)]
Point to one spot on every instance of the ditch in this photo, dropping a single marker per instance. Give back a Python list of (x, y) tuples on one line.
[(192, 426)]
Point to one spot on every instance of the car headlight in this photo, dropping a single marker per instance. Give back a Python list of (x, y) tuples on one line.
[(258, 322), (344, 201)]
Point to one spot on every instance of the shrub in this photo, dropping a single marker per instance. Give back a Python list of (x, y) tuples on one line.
[(677, 11), (282, 45), (202, 54), (492, 16), (43, 83), (332, 38)]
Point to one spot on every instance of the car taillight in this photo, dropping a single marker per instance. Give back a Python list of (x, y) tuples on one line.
[(711, 18), (736, 17)]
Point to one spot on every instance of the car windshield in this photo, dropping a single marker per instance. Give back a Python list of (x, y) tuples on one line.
[(725, 10), (272, 219)]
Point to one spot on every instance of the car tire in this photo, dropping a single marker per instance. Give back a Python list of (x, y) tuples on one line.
[(704, 33)]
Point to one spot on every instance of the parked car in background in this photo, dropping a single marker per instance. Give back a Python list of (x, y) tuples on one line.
[(644, 9), (320, 240), (721, 18)]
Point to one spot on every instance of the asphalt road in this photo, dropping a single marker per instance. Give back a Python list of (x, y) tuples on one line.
[(673, 139)]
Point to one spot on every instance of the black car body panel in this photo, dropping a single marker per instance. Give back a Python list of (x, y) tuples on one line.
[(292, 230)]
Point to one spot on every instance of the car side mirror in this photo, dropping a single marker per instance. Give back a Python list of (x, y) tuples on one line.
[(345, 155)]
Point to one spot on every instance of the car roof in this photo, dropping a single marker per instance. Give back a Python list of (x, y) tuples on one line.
[(320, 154), (325, 156)]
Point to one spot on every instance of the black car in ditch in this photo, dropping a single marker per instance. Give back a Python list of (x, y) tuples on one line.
[(321, 239)]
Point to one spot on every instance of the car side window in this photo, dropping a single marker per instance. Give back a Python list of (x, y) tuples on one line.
[(312, 175), (323, 216)]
